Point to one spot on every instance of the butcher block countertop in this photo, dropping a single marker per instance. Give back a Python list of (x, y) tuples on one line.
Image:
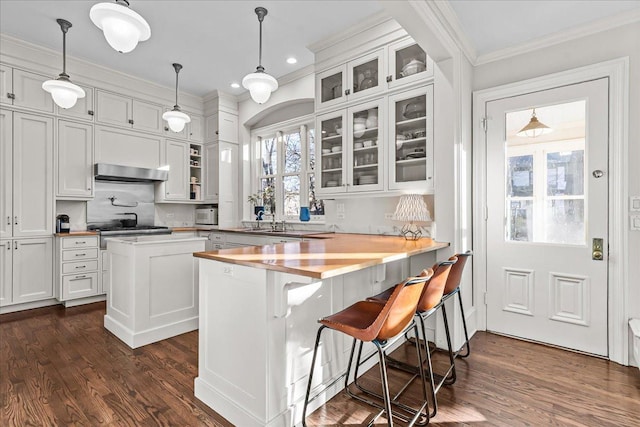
[(77, 234), (326, 256)]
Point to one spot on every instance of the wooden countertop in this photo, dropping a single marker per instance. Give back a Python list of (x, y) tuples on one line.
[(328, 256), (77, 234)]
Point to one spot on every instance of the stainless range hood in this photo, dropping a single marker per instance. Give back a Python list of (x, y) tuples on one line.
[(107, 172)]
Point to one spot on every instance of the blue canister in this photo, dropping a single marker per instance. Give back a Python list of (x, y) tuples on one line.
[(304, 214)]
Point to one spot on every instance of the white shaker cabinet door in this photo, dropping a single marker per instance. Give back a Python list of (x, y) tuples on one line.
[(6, 84), (6, 271), (114, 109), (83, 109), (177, 158), (74, 159), (6, 174), (32, 175), (32, 269), (27, 88), (147, 117), (196, 128)]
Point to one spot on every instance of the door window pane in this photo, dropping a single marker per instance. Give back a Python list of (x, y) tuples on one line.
[(564, 221), (520, 176), (520, 221), (565, 173)]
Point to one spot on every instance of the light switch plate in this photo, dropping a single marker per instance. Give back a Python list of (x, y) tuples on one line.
[(634, 204), (635, 222)]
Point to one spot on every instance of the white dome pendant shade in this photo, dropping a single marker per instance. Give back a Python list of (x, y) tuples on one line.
[(123, 27), (64, 93), (260, 84), (176, 118)]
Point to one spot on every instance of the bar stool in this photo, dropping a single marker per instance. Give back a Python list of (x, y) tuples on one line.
[(430, 301), (382, 325), (453, 287)]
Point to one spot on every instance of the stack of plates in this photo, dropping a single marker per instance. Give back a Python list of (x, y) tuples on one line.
[(331, 184), (367, 179)]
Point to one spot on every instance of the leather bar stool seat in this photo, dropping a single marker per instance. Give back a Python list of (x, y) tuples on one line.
[(382, 325)]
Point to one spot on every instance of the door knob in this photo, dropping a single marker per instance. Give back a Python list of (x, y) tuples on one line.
[(596, 253), (598, 173)]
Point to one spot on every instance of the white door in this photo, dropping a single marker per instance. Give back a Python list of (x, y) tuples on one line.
[(75, 159), (32, 269), (6, 174), (6, 272), (547, 202)]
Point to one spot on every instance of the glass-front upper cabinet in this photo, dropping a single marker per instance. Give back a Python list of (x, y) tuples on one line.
[(366, 157), (408, 62), (411, 140), (355, 79), (330, 153)]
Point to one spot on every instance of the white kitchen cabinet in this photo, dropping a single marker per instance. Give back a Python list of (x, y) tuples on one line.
[(211, 172), (120, 110), (407, 63), (24, 89), (6, 174), (77, 276), (175, 188), (31, 269), (31, 176), (410, 151), (74, 160), (127, 148), (221, 126), (6, 272), (84, 108), (196, 128), (360, 77), (353, 159)]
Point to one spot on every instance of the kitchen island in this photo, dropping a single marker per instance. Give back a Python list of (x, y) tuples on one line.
[(258, 318), (152, 292)]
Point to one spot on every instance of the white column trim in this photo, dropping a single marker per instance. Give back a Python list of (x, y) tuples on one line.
[(618, 287)]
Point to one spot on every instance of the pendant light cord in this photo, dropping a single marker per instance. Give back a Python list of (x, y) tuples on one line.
[(64, 26), (175, 106), (260, 49), (261, 12)]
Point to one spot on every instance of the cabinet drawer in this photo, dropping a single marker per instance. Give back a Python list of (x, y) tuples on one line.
[(79, 267), (79, 285), (77, 255), (79, 242)]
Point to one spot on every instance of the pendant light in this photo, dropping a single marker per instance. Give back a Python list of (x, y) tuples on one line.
[(260, 84), (64, 93), (176, 118), (123, 27), (534, 128)]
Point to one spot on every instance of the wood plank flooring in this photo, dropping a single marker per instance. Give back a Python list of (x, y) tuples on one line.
[(60, 367)]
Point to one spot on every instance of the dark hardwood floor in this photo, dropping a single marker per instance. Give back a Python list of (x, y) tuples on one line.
[(60, 367)]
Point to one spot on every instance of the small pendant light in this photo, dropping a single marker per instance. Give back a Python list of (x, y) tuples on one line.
[(534, 128), (260, 84), (123, 27), (176, 118), (64, 93)]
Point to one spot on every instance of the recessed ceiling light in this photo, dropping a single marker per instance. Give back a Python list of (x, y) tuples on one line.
[(235, 85), (291, 60)]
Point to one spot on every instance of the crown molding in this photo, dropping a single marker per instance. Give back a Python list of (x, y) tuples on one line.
[(43, 60), (580, 31), (449, 19)]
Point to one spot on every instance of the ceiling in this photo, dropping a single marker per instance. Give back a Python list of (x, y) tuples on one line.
[(217, 41)]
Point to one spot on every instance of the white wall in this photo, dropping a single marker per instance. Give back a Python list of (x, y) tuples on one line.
[(611, 44)]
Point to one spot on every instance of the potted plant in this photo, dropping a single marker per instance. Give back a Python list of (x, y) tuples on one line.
[(257, 201)]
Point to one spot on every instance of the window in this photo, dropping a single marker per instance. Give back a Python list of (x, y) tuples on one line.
[(285, 169)]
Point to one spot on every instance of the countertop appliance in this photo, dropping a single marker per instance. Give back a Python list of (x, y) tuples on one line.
[(106, 231), (62, 223), (207, 216)]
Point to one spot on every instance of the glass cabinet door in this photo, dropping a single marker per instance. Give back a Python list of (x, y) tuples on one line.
[(330, 133), (330, 87), (411, 140), (408, 62), (366, 122), (366, 75)]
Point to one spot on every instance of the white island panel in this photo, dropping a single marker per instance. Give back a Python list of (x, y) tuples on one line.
[(153, 287)]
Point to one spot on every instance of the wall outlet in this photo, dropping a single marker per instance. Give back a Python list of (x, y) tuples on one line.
[(388, 216), (228, 270), (340, 207)]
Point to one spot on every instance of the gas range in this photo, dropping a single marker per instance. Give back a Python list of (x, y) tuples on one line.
[(106, 231)]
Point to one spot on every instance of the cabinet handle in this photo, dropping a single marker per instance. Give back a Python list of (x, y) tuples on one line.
[(11, 95), (347, 92), (389, 79), (217, 133), (130, 121), (81, 266), (81, 254), (81, 277), (166, 128), (90, 112), (16, 220), (8, 220), (88, 188), (15, 245), (81, 243)]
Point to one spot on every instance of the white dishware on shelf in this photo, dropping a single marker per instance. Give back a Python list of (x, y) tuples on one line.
[(357, 145), (326, 150), (358, 129), (336, 149), (368, 143)]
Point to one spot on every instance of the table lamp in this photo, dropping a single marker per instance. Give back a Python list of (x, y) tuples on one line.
[(411, 207)]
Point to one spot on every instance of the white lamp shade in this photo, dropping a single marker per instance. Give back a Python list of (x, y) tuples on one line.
[(123, 28), (412, 207), (64, 93), (260, 85), (176, 120)]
